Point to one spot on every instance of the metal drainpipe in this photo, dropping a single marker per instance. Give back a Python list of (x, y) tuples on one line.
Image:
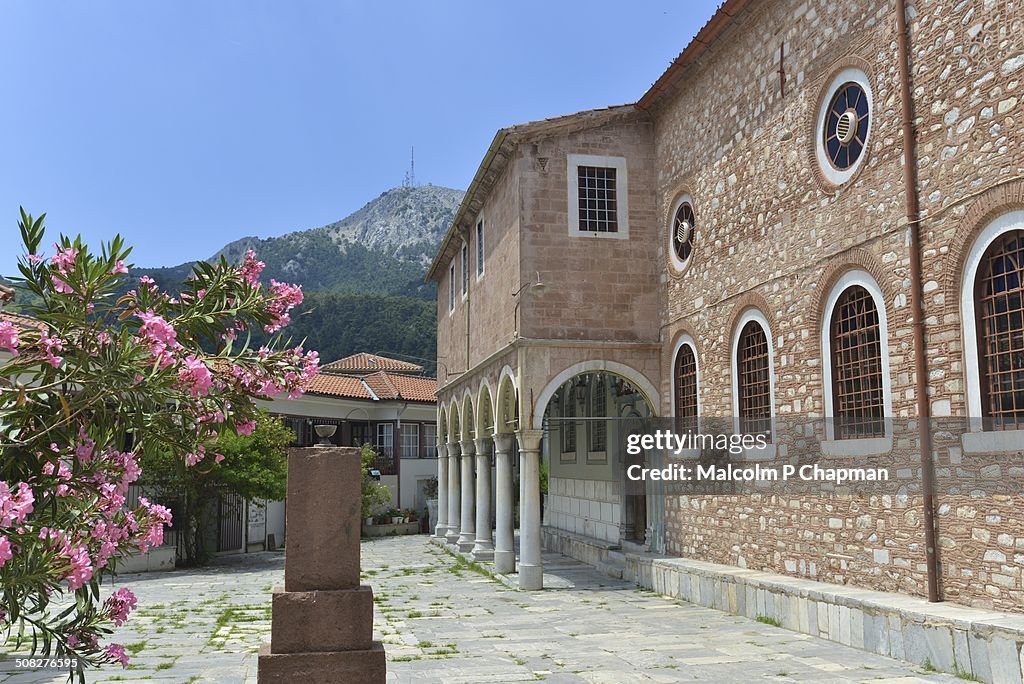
[(917, 303)]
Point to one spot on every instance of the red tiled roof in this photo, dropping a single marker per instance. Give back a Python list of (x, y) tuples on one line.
[(415, 388), (21, 320), (370, 363), (334, 385), (379, 386)]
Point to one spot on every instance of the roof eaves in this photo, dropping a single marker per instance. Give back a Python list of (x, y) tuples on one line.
[(708, 34)]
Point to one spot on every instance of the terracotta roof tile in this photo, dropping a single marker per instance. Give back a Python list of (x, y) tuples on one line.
[(370, 363), (334, 385), (21, 320), (415, 388)]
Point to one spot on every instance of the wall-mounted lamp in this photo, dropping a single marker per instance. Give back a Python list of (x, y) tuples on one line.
[(535, 286)]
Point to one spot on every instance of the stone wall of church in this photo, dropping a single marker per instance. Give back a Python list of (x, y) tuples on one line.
[(773, 233)]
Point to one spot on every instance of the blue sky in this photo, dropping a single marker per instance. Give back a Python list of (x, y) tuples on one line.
[(185, 125)]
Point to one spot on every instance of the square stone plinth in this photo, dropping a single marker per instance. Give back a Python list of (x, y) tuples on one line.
[(337, 667), (317, 621), (323, 519)]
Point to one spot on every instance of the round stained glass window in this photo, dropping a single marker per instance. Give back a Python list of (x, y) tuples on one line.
[(846, 126), (683, 228)]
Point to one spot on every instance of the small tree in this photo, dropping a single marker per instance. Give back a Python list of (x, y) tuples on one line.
[(100, 381), (375, 494), (255, 466)]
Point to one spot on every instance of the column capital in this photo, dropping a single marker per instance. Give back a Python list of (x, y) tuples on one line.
[(468, 447), (453, 448), (503, 442), (483, 445), (442, 450), (529, 440)]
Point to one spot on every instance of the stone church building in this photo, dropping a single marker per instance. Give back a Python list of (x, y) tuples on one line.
[(816, 213)]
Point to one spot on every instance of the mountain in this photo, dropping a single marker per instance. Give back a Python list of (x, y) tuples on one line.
[(362, 275), (383, 248)]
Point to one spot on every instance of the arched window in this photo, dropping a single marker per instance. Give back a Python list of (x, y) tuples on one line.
[(753, 380), (999, 311), (855, 350), (684, 377)]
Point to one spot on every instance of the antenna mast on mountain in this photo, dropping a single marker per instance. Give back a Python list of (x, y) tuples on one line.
[(410, 175)]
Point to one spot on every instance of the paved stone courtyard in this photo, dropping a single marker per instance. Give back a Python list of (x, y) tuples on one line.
[(443, 620)]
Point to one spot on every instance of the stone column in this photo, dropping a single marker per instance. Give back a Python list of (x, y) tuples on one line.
[(467, 533), (322, 620), (531, 567), (483, 546), (441, 528), (504, 534), (454, 495)]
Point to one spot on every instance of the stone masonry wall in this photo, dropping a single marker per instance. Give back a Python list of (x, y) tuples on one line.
[(773, 235)]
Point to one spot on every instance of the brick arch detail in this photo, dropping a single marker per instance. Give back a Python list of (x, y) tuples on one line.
[(810, 120), (982, 211), (752, 300), (855, 259)]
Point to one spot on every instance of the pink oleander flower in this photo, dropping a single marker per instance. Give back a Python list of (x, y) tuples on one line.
[(5, 552), (116, 653), (158, 336), (103, 337), (195, 457), (218, 458), (15, 507), (119, 267), (60, 286), (245, 427), (64, 259), (9, 337), (251, 268), (51, 344), (196, 376), (284, 297), (81, 566), (34, 259), (120, 604)]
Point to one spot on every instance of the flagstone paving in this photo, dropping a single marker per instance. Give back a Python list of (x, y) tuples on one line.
[(446, 621)]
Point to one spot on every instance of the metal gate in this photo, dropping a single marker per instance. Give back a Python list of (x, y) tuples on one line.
[(230, 513)]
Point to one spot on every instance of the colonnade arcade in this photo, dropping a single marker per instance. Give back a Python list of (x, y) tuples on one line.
[(480, 438)]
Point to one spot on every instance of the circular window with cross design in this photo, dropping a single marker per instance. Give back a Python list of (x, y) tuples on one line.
[(844, 126), (682, 231)]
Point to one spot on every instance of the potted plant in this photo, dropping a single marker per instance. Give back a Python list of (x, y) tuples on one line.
[(395, 515), (430, 491)]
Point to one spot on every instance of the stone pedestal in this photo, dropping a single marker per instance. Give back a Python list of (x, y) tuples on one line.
[(322, 620)]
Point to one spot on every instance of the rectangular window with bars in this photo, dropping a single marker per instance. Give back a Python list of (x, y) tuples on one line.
[(410, 435), (451, 288), (597, 198), (479, 248), (429, 441), (465, 269), (568, 423), (597, 430)]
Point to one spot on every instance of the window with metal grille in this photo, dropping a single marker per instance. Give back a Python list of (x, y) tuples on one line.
[(451, 288), (465, 269), (685, 377), (385, 437), (597, 430), (429, 441), (753, 373), (683, 226), (858, 407), (410, 440), (479, 248), (999, 308), (598, 201), (568, 424)]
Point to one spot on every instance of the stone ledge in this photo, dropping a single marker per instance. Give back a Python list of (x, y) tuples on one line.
[(986, 644), (983, 643)]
